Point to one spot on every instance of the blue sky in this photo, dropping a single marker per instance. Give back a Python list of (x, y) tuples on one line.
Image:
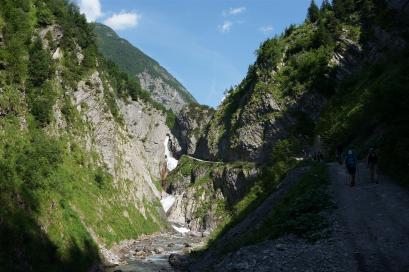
[(206, 44)]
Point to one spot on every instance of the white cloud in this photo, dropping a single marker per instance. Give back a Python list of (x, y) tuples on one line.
[(91, 9), (234, 11), (225, 27), (266, 29), (123, 20)]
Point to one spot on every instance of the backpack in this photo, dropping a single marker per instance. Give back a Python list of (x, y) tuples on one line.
[(350, 161)]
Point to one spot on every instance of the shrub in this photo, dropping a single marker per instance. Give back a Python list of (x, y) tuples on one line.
[(41, 101), (39, 67)]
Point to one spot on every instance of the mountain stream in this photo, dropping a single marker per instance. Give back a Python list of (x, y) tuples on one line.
[(151, 252)]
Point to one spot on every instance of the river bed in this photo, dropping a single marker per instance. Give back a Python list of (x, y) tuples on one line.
[(151, 253)]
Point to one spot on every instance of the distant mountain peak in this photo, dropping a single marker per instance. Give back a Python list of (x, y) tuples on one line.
[(164, 87)]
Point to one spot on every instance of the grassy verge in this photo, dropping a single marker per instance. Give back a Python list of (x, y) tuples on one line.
[(298, 213)]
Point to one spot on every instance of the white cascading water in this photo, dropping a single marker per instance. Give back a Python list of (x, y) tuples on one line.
[(168, 201), (171, 162)]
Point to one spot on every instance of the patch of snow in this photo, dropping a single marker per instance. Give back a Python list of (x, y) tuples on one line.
[(167, 202), (181, 229), (171, 162)]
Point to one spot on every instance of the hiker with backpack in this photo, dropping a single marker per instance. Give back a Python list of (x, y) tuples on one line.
[(351, 165), (372, 162)]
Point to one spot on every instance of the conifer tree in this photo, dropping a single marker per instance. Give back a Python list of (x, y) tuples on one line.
[(339, 8), (325, 5), (40, 62), (313, 12), (343, 8)]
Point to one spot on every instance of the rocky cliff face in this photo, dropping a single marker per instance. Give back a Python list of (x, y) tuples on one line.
[(131, 149), (190, 123), (163, 92), (268, 105), (204, 191), (164, 88), (91, 151)]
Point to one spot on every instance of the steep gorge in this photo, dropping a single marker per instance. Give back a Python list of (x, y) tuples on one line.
[(338, 77), (85, 151)]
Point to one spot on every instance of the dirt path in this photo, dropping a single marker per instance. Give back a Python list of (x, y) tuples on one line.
[(200, 160), (374, 219)]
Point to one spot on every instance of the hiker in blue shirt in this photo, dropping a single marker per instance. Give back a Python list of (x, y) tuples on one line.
[(351, 164)]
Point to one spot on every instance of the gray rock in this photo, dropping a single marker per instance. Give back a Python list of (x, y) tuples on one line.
[(163, 92), (189, 125), (159, 250), (178, 261)]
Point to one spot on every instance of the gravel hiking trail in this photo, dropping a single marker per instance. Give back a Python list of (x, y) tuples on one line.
[(374, 218)]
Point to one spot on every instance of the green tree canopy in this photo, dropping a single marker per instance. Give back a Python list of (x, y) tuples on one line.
[(39, 68), (313, 12)]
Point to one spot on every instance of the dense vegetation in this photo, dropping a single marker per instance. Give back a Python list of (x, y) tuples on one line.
[(360, 108), (300, 212), (200, 178), (279, 164), (363, 104), (133, 61), (49, 183), (368, 108)]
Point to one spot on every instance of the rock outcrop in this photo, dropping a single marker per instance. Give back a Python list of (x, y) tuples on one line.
[(162, 91), (189, 125), (163, 87), (260, 111), (203, 191), (132, 150), (252, 133)]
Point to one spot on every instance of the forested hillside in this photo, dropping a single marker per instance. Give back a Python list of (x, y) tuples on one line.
[(338, 78), (83, 147), (339, 75), (71, 124)]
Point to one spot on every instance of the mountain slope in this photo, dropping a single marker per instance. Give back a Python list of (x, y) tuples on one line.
[(81, 144), (163, 87), (338, 78)]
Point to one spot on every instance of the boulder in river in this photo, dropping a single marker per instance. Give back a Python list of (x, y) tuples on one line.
[(159, 250), (178, 261)]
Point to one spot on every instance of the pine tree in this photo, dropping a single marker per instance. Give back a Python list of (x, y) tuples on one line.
[(313, 12), (325, 5), (40, 62), (343, 8), (322, 36)]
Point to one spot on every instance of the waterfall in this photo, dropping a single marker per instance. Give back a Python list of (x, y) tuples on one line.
[(171, 162), (168, 201)]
